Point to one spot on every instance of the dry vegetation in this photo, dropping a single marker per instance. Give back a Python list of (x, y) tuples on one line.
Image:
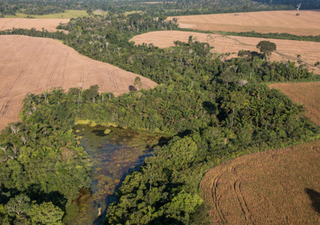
[(305, 93), (270, 21), (275, 187), (286, 49), (38, 24), (34, 65)]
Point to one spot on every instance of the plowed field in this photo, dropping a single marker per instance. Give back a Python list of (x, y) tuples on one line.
[(305, 93), (269, 21), (34, 65), (275, 187), (286, 49), (38, 24)]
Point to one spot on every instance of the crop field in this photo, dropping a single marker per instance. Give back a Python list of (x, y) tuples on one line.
[(274, 187), (307, 23), (286, 49), (305, 93), (68, 14), (29, 64), (38, 24)]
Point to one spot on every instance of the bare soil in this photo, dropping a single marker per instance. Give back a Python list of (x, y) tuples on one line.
[(38, 24), (307, 93), (274, 187), (307, 23), (286, 49), (29, 64)]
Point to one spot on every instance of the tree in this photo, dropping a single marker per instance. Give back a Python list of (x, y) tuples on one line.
[(91, 93), (46, 213), (18, 206), (235, 100), (90, 12), (267, 47), (137, 83)]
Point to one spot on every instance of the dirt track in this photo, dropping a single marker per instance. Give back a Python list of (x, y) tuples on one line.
[(286, 49), (268, 21), (34, 65), (38, 24), (275, 187)]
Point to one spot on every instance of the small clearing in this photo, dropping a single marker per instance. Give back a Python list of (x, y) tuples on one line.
[(29, 64), (286, 49), (307, 23), (274, 187), (307, 93)]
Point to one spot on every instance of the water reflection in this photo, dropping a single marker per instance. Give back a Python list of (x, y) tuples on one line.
[(113, 156)]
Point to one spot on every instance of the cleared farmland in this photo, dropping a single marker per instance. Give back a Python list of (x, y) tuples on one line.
[(286, 49), (305, 93), (274, 187), (307, 23), (34, 65), (38, 24)]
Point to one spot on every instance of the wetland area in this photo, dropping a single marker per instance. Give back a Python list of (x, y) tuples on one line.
[(113, 156)]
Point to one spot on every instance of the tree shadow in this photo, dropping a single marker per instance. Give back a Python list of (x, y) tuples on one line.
[(132, 88), (315, 198), (209, 107)]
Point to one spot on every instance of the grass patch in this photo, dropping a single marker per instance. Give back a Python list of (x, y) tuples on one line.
[(131, 12), (68, 14)]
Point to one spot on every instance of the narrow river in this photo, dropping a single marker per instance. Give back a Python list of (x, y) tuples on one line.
[(113, 156)]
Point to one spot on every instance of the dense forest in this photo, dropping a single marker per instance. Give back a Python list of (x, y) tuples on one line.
[(214, 109)]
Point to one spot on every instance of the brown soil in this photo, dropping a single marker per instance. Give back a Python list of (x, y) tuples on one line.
[(268, 21), (306, 93), (286, 49), (29, 64), (274, 187), (38, 24)]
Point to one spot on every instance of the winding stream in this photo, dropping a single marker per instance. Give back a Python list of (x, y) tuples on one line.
[(113, 156)]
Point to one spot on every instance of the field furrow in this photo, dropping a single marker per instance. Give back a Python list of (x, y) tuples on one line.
[(274, 187)]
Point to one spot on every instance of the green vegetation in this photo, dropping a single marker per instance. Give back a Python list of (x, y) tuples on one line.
[(284, 36), (67, 14), (215, 110), (42, 166), (266, 47)]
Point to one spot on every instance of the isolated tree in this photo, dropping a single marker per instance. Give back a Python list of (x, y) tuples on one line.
[(267, 47), (90, 12), (137, 83), (298, 7)]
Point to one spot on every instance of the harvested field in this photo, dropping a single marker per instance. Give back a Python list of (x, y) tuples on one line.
[(307, 93), (286, 49), (274, 187), (38, 24), (268, 21), (29, 64)]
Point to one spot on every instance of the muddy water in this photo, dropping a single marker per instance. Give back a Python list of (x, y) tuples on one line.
[(113, 156)]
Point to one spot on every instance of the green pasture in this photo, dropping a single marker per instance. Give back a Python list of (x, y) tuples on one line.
[(68, 14)]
